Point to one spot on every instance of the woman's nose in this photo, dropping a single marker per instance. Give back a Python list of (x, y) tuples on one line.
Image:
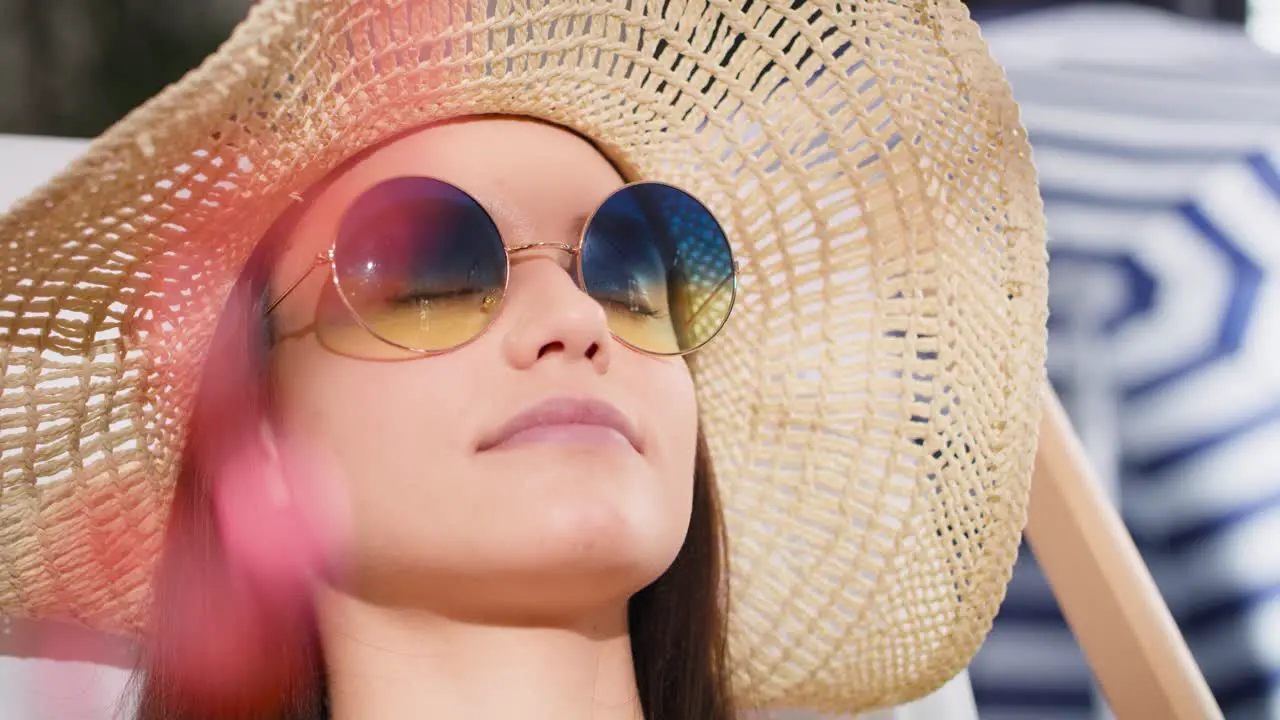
[(552, 319)]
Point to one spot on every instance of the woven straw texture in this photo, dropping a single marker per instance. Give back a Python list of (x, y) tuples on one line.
[(871, 406)]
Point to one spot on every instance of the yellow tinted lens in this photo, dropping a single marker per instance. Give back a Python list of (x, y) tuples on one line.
[(660, 264), (420, 265)]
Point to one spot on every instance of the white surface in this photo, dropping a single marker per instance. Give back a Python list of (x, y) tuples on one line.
[(49, 690), (26, 162), (41, 689)]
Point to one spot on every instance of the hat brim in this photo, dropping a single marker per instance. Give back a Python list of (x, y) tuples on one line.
[(871, 408)]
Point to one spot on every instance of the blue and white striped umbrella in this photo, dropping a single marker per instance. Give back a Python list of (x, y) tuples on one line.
[(1157, 140)]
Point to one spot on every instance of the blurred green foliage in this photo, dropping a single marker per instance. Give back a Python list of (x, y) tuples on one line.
[(84, 64)]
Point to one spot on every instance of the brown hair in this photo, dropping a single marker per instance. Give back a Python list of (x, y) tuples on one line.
[(204, 607)]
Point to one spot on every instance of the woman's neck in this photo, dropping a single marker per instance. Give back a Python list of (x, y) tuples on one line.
[(393, 664)]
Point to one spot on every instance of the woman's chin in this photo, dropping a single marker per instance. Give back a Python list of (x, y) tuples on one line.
[(598, 550), (558, 557)]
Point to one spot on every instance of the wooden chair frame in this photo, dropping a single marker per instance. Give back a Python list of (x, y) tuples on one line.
[(1106, 593)]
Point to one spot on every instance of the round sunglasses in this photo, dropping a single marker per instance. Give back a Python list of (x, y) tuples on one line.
[(419, 265)]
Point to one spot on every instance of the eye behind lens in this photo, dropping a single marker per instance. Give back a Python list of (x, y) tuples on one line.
[(420, 263), (660, 238)]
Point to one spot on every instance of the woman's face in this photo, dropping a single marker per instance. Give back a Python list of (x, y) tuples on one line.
[(565, 521)]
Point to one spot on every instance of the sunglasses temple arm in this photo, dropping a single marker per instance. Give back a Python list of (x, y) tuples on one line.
[(320, 260), (703, 306)]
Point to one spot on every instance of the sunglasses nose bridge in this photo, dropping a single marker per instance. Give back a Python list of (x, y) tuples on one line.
[(514, 250), (569, 250)]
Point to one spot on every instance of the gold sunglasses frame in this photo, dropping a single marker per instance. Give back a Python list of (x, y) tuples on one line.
[(328, 258)]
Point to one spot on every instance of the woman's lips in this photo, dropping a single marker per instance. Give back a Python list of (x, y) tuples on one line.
[(576, 433), (565, 421)]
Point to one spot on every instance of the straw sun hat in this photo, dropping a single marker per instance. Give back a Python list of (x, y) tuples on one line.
[(871, 407)]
